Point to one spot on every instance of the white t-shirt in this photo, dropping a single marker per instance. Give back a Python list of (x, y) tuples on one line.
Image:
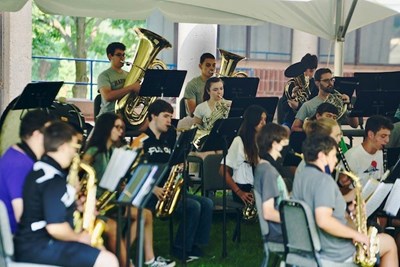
[(365, 165), (204, 112), (236, 159)]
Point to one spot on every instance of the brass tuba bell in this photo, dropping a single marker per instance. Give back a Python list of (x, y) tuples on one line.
[(229, 61), (132, 107)]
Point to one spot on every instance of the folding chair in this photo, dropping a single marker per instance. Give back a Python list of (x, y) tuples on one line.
[(302, 244), (212, 181), (269, 247), (7, 244)]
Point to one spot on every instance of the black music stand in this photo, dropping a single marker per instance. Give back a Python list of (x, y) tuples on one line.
[(220, 138), (137, 193), (370, 103), (164, 83), (38, 95), (235, 87), (346, 85), (239, 105)]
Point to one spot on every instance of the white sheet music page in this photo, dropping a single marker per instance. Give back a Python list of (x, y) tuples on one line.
[(377, 197), (145, 189), (369, 188), (120, 162), (393, 202)]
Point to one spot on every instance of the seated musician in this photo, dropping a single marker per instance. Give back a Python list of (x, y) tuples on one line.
[(198, 209), (317, 188), (45, 234), (242, 155), (108, 134), (366, 160), (17, 162), (267, 181), (324, 82)]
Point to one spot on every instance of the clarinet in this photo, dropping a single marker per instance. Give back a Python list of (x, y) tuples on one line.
[(343, 158), (384, 152)]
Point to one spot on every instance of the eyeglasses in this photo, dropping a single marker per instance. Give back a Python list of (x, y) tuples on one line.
[(119, 55), (119, 127), (329, 80)]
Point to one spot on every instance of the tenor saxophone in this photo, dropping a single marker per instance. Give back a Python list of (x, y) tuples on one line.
[(365, 256)]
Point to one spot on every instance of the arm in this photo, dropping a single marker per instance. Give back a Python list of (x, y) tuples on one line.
[(269, 212), (246, 197), (191, 105), (17, 205), (352, 121), (64, 232), (325, 220), (110, 95), (197, 121), (297, 125)]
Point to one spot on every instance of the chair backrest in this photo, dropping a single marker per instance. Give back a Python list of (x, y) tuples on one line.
[(5, 231), (300, 234), (96, 105), (211, 179), (182, 108)]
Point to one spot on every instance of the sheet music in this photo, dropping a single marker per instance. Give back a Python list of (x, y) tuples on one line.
[(369, 188), (120, 162), (377, 197), (393, 202), (145, 188)]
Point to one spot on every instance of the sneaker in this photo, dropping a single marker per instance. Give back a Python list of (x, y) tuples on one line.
[(178, 253), (196, 252), (162, 262)]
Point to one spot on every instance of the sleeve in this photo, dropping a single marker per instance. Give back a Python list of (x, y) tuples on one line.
[(15, 178), (269, 184), (55, 200), (235, 154), (199, 111), (190, 91), (302, 113), (324, 193), (103, 81)]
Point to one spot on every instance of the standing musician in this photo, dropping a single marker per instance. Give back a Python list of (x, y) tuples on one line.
[(194, 90), (18, 160), (45, 234), (267, 181), (111, 81), (198, 209), (242, 155), (317, 188), (108, 134), (324, 81), (366, 160), (300, 84)]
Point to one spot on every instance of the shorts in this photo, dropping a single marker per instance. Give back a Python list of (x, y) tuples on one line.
[(55, 252)]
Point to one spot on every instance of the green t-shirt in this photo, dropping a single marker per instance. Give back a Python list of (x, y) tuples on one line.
[(195, 90)]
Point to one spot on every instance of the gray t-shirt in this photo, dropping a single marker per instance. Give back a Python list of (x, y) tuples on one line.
[(269, 184), (318, 189), (309, 108), (111, 79), (195, 90)]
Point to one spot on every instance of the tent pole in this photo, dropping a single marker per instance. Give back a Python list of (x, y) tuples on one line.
[(338, 63)]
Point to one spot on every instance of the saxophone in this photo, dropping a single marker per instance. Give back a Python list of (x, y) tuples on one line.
[(365, 256), (172, 187), (87, 220)]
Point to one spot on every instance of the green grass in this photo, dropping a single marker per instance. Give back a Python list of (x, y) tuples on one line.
[(248, 252)]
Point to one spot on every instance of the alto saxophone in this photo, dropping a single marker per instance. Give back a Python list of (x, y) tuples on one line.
[(365, 256), (87, 220), (172, 187)]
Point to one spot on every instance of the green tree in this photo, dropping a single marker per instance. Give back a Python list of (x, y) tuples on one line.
[(77, 37)]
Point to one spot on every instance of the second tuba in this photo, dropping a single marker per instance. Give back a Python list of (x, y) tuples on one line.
[(229, 61), (132, 107)]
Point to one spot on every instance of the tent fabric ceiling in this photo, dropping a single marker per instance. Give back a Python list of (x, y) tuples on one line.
[(316, 17)]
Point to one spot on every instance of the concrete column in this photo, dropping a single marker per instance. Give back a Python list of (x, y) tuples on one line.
[(16, 53), (193, 41), (303, 43), (339, 61)]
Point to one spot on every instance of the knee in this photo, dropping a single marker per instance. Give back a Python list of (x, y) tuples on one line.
[(193, 208), (148, 216)]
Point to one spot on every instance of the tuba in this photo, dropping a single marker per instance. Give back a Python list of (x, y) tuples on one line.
[(132, 107), (87, 220), (228, 64), (335, 98), (365, 256), (173, 187)]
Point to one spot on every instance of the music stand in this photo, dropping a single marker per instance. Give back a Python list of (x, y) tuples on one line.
[(378, 80), (138, 192), (235, 87), (239, 105), (393, 154), (38, 95), (180, 150), (162, 83), (370, 103), (346, 85)]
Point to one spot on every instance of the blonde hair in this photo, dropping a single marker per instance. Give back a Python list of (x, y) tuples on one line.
[(322, 126)]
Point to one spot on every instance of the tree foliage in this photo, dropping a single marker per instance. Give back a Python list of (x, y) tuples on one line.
[(75, 37)]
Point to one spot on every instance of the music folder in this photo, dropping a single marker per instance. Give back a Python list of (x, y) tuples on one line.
[(239, 106), (140, 186), (164, 83), (38, 95), (235, 87)]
